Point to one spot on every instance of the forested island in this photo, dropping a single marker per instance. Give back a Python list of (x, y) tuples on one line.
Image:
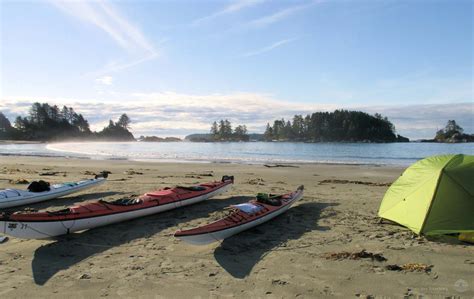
[(337, 126), (46, 122), (451, 133), (50, 123), (158, 139)]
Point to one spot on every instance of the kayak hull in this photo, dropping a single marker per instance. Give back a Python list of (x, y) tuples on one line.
[(48, 229), (35, 197), (204, 238)]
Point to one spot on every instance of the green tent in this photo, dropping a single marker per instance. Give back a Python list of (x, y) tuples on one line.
[(433, 196)]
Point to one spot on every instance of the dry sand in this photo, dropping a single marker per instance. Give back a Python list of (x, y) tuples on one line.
[(282, 258)]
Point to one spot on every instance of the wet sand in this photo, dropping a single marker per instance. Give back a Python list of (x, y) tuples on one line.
[(313, 250)]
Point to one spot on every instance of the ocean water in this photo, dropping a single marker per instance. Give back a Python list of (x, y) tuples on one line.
[(244, 152)]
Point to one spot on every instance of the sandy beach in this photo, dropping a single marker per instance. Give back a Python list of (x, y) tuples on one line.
[(295, 255)]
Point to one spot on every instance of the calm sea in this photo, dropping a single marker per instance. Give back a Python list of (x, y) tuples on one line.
[(244, 152)]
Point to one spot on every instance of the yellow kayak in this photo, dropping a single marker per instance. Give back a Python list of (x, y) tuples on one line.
[(467, 237)]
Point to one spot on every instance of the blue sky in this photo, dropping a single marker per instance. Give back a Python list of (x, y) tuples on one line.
[(176, 66)]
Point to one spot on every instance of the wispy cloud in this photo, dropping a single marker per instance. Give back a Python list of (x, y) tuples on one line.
[(231, 8), (107, 18), (280, 15), (106, 80), (269, 48)]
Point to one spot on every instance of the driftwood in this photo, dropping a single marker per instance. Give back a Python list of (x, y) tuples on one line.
[(280, 165)]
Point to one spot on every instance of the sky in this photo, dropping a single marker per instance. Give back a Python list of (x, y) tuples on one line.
[(176, 66)]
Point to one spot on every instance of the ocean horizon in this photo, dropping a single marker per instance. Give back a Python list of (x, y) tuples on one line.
[(401, 154)]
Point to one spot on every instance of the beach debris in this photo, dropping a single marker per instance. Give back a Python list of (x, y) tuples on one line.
[(132, 172), (279, 165), (13, 170), (363, 254), (3, 239), (359, 295), (257, 181), (410, 267), (279, 282), (49, 173), (85, 276), (206, 174), (335, 181), (19, 181), (88, 172), (118, 180)]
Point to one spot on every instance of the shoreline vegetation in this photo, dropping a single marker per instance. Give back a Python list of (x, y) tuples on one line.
[(49, 123), (452, 133), (337, 126)]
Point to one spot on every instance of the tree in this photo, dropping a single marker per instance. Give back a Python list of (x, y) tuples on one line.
[(5, 125), (298, 127), (268, 135), (452, 128), (227, 130), (124, 121), (214, 131), (81, 123), (240, 133)]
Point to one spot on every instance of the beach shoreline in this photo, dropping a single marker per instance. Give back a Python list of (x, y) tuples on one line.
[(285, 257)]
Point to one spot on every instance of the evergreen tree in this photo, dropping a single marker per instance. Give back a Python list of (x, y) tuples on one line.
[(214, 131), (5, 125), (227, 130), (124, 121), (268, 135)]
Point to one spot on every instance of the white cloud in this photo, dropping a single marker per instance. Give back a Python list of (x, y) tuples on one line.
[(269, 48), (106, 80), (170, 113), (231, 8), (107, 18)]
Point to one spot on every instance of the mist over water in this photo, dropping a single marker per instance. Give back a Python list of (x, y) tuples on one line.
[(243, 152)]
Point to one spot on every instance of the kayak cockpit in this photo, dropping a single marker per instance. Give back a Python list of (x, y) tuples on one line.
[(124, 202), (62, 212)]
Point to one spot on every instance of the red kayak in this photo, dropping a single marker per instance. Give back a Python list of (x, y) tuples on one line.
[(40, 225), (242, 217)]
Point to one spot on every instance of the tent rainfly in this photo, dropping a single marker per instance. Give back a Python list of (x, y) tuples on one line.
[(433, 196)]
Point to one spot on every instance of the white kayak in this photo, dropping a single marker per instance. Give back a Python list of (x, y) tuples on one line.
[(14, 197)]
